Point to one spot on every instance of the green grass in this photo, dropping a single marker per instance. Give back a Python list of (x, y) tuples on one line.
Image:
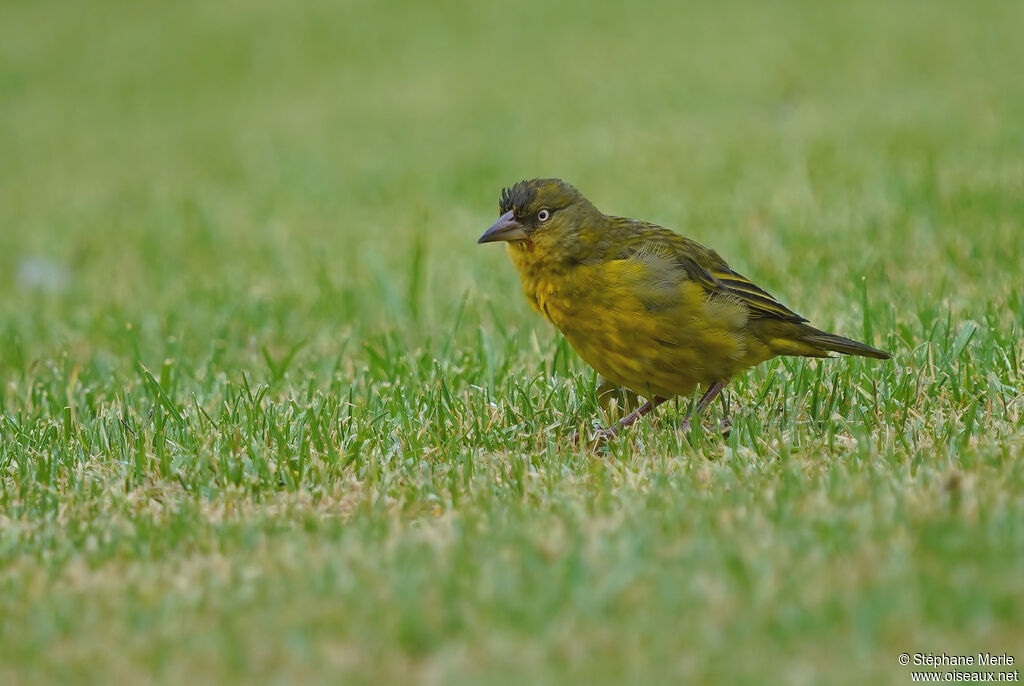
[(269, 415)]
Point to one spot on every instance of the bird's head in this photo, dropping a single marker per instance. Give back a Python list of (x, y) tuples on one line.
[(545, 212)]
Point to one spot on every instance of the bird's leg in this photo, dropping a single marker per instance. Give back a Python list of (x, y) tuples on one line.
[(725, 426), (629, 419), (705, 400)]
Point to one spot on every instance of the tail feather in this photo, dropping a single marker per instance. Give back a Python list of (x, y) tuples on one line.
[(839, 344)]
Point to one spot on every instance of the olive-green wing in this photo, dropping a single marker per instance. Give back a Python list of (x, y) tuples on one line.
[(702, 265), (756, 298)]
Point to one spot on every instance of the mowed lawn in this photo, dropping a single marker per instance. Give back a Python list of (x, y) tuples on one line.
[(269, 415)]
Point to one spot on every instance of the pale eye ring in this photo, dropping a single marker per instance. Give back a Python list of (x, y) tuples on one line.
[(544, 215)]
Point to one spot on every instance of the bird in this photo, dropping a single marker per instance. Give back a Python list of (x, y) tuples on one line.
[(653, 312)]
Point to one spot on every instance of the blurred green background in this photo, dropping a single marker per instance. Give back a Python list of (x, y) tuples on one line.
[(261, 155), (273, 208)]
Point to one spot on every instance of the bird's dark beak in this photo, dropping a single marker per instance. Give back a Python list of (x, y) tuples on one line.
[(505, 229)]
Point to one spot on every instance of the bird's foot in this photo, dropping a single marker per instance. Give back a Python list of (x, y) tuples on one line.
[(724, 426), (602, 435), (597, 438)]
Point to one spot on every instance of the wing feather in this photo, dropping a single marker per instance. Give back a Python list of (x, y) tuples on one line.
[(702, 265), (759, 300)]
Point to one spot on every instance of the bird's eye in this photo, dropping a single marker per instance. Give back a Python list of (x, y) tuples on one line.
[(544, 215)]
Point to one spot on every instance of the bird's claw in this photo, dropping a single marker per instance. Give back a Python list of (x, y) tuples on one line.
[(597, 438), (724, 426)]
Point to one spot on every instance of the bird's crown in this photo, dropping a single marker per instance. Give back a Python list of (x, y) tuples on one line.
[(526, 197)]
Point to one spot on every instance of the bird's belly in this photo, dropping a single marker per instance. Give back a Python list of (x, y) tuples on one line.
[(641, 363), (653, 353)]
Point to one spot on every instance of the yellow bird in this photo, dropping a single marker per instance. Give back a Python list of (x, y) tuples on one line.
[(651, 311)]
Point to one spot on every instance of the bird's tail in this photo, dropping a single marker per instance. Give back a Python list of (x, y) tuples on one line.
[(830, 342)]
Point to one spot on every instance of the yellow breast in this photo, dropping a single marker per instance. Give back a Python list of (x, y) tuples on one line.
[(639, 322)]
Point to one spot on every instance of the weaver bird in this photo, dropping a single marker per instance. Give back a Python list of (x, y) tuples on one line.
[(651, 311)]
